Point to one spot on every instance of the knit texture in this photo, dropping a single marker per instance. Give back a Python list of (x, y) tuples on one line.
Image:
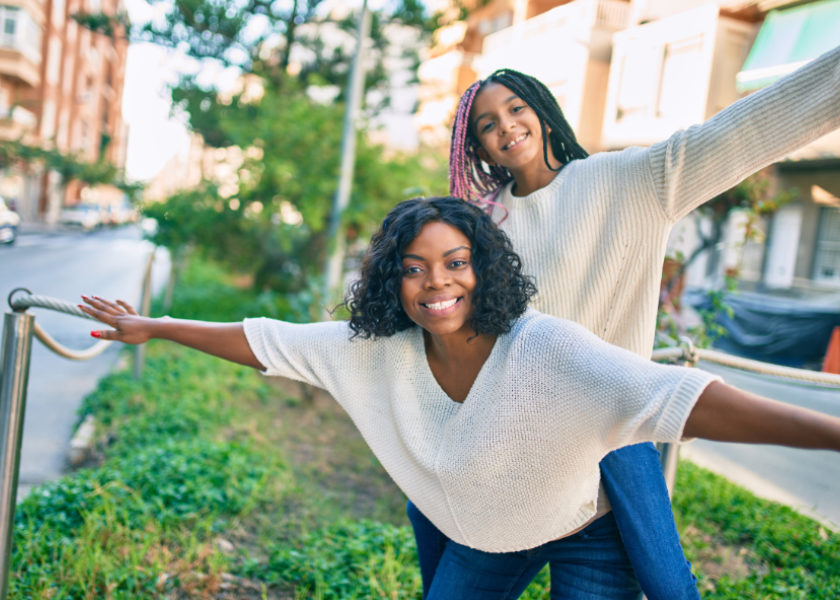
[(595, 237), (516, 464)]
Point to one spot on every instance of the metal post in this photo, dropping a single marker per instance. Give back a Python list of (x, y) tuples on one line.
[(670, 453), (145, 307), (14, 361), (670, 458), (355, 88)]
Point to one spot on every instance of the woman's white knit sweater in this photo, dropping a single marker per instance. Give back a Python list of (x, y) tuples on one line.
[(516, 464), (595, 237)]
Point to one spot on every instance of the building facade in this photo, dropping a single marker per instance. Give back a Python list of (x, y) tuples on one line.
[(61, 88), (630, 72)]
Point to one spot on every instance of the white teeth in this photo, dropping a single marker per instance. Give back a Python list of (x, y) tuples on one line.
[(442, 305), (514, 142)]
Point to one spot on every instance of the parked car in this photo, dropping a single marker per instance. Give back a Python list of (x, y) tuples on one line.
[(119, 214), (86, 216), (9, 222)]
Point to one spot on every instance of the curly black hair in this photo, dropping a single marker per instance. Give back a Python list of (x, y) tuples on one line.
[(501, 293)]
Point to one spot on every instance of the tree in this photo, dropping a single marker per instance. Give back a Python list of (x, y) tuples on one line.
[(756, 198), (272, 221), (68, 166)]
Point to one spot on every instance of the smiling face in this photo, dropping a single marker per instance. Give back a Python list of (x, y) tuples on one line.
[(508, 130), (438, 280)]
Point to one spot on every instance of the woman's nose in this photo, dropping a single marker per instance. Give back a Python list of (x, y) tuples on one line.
[(437, 277)]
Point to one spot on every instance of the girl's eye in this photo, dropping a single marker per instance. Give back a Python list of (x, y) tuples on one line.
[(516, 109), (458, 263), (487, 126), (411, 270)]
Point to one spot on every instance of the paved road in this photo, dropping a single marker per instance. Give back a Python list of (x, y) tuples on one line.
[(64, 265), (807, 480)]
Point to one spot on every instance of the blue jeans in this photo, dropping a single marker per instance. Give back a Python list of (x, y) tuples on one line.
[(589, 564), (633, 481)]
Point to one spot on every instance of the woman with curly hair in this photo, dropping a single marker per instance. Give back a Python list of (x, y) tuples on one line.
[(490, 416)]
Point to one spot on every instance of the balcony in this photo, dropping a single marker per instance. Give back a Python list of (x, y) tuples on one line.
[(578, 32), (20, 46), (17, 124), (583, 21)]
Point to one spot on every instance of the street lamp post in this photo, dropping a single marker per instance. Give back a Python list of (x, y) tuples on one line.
[(355, 90)]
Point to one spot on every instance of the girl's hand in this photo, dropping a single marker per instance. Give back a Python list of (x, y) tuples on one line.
[(128, 326)]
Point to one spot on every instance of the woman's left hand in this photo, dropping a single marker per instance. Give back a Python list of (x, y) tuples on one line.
[(128, 326)]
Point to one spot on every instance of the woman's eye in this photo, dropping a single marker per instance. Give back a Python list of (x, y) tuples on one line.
[(458, 263), (411, 270), (518, 108)]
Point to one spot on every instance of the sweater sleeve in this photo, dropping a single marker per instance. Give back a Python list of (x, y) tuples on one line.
[(315, 353), (624, 397), (694, 165)]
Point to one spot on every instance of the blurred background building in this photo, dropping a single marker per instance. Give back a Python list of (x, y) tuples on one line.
[(630, 72), (61, 88)]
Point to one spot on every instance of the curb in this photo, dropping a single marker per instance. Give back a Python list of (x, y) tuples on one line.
[(82, 443)]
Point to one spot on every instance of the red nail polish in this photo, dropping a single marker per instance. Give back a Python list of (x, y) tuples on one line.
[(96, 334)]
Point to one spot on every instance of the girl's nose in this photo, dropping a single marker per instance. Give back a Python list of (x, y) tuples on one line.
[(504, 124)]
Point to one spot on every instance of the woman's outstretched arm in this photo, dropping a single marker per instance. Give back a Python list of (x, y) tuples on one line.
[(225, 340), (727, 414)]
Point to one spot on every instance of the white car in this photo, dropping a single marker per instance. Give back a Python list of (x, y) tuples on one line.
[(9, 222), (86, 216)]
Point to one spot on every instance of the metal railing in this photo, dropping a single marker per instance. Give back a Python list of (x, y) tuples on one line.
[(15, 352)]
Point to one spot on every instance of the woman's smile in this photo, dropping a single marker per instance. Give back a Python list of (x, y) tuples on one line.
[(441, 307)]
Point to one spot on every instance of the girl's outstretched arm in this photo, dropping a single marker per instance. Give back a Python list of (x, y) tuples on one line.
[(225, 340), (727, 414)]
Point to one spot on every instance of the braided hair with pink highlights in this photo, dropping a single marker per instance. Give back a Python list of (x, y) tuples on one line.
[(473, 180)]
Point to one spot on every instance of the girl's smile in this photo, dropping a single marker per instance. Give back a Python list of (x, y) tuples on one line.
[(515, 142)]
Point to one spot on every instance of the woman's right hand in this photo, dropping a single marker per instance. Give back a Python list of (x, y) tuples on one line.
[(128, 326)]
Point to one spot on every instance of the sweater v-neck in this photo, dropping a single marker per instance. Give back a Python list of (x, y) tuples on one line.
[(427, 373)]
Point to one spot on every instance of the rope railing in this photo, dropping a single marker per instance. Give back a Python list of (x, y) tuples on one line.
[(15, 352), (687, 352), (21, 299)]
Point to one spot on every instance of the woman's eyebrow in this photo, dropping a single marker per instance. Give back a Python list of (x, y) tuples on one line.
[(447, 253), (487, 114)]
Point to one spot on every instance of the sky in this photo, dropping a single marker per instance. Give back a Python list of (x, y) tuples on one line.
[(153, 135)]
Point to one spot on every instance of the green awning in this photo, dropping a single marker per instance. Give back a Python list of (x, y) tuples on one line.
[(789, 38)]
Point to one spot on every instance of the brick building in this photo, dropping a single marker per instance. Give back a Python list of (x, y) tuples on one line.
[(60, 87)]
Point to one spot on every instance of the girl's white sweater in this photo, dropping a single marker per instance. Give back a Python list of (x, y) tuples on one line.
[(516, 464)]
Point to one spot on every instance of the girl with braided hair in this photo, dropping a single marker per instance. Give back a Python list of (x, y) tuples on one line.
[(592, 230), (489, 415)]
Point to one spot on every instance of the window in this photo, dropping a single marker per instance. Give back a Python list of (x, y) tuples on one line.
[(19, 31), (682, 63), (9, 16), (640, 75), (827, 254), (656, 80)]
